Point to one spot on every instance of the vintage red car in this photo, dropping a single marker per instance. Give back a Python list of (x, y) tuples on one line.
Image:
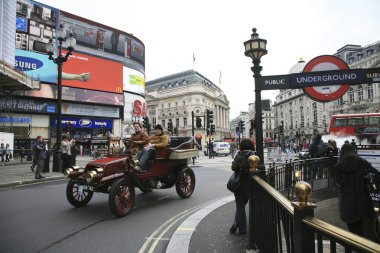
[(116, 176)]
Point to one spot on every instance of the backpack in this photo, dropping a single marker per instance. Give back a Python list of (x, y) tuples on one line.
[(320, 149)]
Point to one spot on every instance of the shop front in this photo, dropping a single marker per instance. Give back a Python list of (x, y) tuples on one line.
[(85, 130)]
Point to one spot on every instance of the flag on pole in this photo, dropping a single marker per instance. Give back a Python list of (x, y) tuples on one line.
[(220, 77), (193, 57)]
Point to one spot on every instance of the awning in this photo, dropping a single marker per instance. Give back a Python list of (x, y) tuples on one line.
[(13, 79)]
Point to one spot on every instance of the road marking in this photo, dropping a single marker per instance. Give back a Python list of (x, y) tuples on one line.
[(168, 224), (186, 229), (156, 238)]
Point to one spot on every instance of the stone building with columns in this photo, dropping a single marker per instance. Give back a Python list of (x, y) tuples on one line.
[(173, 98)]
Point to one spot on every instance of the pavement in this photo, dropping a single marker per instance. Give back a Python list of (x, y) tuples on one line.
[(207, 230)]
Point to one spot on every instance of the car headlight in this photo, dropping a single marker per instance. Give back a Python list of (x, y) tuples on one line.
[(68, 172), (92, 174)]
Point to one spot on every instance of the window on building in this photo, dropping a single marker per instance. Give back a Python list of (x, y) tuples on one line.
[(291, 118), (315, 114), (184, 102), (302, 117), (177, 122), (185, 122), (163, 123), (351, 95), (360, 92), (370, 91), (154, 122)]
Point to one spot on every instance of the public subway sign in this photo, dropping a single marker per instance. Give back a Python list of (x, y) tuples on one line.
[(275, 82), (326, 78)]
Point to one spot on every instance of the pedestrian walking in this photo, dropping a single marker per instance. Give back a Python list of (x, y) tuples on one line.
[(210, 148), (355, 202), (241, 165), (7, 152), (40, 156), (318, 149), (232, 149), (2, 151), (66, 151)]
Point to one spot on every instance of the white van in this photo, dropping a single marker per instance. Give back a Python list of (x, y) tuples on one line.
[(221, 148)]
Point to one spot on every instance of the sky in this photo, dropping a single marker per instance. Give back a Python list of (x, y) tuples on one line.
[(214, 31)]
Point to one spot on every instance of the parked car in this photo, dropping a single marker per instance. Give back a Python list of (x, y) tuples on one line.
[(221, 148), (304, 154)]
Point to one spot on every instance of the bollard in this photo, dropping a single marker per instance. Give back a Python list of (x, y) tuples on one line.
[(303, 237)]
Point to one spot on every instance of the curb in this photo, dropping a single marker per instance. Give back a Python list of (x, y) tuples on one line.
[(30, 181), (180, 240)]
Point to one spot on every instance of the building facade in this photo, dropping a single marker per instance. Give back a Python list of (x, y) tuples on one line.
[(300, 116), (364, 97), (268, 117), (175, 97), (103, 82)]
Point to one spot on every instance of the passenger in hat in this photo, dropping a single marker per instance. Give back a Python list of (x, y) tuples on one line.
[(157, 141)]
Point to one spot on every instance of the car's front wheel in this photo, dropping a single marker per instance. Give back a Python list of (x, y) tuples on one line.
[(121, 197), (78, 194)]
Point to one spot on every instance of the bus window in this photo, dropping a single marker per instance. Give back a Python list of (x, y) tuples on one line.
[(355, 121), (339, 122), (374, 121)]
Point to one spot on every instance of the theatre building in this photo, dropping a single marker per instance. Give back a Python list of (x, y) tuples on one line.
[(105, 72)]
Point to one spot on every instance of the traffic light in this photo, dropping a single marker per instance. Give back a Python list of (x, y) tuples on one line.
[(146, 124), (170, 126), (253, 124), (242, 126), (198, 122), (251, 131), (209, 117), (212, 129), (237, 129)]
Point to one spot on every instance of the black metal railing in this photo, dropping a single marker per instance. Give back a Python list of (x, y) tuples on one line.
[(279, 225), (318, 172)]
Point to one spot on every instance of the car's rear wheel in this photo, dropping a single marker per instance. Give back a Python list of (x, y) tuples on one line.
[(185, 183), (78, 194), (121, 197)]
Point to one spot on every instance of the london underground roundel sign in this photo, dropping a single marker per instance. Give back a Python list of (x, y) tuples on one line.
[(325, 93)]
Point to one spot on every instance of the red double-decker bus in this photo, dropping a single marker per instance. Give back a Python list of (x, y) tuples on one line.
[(363, 126)]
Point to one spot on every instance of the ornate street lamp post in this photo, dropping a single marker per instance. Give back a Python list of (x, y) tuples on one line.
[(256, 48), (59, 60)]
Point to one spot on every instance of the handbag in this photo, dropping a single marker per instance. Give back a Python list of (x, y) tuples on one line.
[(234, 182)]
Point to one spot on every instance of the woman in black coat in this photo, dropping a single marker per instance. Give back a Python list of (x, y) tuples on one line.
[(241, 165), (355, 201)]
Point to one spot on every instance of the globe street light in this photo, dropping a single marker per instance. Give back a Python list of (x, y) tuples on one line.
[(256, 48), (59, 60)]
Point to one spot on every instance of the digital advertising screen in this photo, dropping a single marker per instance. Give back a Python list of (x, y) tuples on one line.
[(22, 24), (133, 80), (89, 72), (77, 94), (36, 65)]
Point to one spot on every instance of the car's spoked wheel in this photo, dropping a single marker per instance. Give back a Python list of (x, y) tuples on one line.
[(78, 194), (185, 183), (121, 197)]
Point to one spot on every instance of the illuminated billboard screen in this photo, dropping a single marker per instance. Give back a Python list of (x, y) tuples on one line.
[(89, 72), (133, 80), (76, 94)]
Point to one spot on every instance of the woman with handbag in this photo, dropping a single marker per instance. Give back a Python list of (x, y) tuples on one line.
[(241, 167), (355, 202)]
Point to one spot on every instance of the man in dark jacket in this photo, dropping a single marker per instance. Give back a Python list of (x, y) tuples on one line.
[(40, 156), (318, 149), (241, 165), (137, 141), (355, 202)]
